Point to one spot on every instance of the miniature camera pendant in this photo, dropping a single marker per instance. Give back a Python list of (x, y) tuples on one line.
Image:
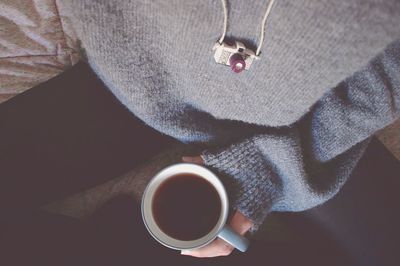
[(237, 56)]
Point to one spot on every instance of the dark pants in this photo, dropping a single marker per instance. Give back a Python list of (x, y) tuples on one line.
[(69, 134)]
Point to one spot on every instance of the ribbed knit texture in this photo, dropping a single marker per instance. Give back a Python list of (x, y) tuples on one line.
[(255, 186), (301, 166), (288, 132)]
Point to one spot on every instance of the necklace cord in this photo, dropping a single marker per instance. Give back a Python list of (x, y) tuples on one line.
[(225, 8), (263, 23)]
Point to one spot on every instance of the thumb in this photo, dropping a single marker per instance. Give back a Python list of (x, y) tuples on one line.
[(193, 159)]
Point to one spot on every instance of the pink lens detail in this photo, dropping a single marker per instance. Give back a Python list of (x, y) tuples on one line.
[(237, 63)]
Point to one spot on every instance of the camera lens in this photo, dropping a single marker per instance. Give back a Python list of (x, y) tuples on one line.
[(237, 63)]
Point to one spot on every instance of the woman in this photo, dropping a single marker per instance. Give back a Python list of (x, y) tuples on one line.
[(288, 131), (284, 133)]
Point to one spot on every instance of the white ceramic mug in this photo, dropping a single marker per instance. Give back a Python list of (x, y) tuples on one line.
[(221, 229)]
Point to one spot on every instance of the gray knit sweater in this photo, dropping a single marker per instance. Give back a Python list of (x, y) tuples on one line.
[(284, 135)]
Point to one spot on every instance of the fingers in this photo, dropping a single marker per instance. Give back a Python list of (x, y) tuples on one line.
[(193, 159), (216, 248), (240, 223)]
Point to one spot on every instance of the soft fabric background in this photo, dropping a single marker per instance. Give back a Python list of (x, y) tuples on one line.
[(37, 42)]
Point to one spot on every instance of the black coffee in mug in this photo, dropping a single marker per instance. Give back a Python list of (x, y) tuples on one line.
[(186, 207)]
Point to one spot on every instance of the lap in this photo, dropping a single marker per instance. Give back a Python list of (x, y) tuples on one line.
[(66, 135)]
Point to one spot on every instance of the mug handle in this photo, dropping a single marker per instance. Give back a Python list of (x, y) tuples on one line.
[(237, 241)]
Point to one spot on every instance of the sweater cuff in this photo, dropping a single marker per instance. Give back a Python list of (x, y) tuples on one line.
[(253, 186)]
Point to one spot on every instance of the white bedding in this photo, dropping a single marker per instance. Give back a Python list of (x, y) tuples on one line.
[(37, 42)]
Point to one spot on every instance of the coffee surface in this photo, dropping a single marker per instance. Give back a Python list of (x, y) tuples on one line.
[(186, 207)]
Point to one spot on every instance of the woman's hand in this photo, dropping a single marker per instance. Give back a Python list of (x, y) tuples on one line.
[(218, 247)]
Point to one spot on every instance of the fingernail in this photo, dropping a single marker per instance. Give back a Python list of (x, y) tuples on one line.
[(184, 252)]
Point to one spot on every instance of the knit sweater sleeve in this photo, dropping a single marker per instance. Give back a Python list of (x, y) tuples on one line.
[(298, 167)]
